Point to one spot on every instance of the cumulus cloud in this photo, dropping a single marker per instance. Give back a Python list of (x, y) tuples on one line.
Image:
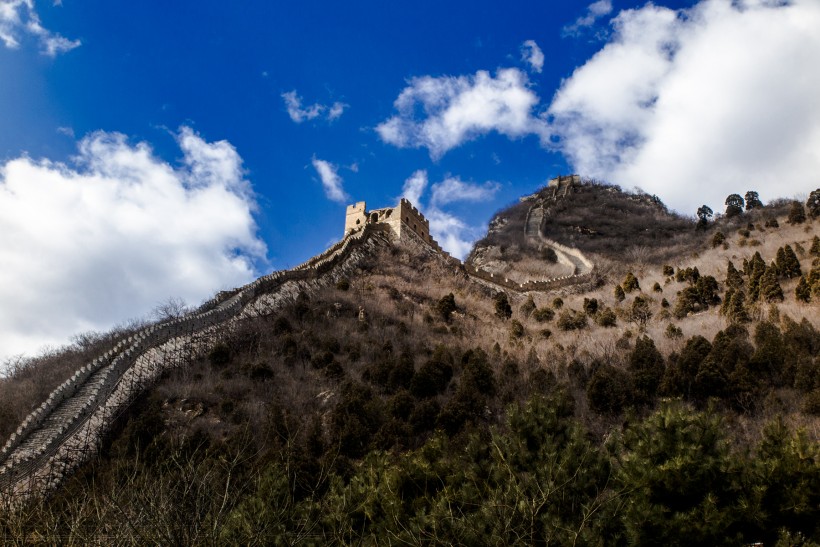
[(532, 55), (453, 234), (594, 12), (453, 189), (331, 181), (18, 17), (299, 114), (696, 104), (457, 109), (88, 245)]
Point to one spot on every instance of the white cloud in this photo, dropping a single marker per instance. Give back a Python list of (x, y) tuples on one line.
[(18, 17), (91, 245), (414, 187), (331, 181), (595, 11), (454, 189), (532, 55), (461, 108), (694, 105), (299, 114), (453, 234)]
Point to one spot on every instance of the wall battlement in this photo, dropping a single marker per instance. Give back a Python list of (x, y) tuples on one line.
[(402, 220)]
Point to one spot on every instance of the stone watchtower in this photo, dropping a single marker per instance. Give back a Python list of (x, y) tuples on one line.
[(403, 220)]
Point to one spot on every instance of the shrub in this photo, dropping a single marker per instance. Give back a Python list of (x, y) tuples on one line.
[(606, 318), (516, 329), (640, 313), (558, 303), (619, 293), (657, 287), (502, 306), (572, 320), (630, 283), (718, 239), (446, 306), (219, 355), (673, 332), (343, 284), (527, 307), (668, 270), (543, 315), (590, 306), (548, 254)]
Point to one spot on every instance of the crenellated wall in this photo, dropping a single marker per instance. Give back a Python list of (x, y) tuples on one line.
[(68, 427)]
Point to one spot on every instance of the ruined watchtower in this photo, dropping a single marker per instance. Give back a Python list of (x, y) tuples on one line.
[(403, 219)]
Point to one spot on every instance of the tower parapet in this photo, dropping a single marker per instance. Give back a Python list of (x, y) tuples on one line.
[(403, 219)]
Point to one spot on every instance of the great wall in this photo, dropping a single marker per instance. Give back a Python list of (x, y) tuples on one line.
[(67, 429)]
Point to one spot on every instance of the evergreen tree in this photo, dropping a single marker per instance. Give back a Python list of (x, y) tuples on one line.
[(619, 293), (803, 291), (790, 267), (640, 312), (630, 283), (797, 214), (815, 246), (734, 280), (753, 200), (813, 203), (647, 367), (704, 214), (736, 308), (680, 375), (780, 261), (756, 269), (770, 289), (734, 205), (676, 465)]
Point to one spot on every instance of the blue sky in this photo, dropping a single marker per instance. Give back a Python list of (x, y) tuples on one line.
[(154, 149)]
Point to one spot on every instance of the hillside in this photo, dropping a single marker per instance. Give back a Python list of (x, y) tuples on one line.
[(383, 392)]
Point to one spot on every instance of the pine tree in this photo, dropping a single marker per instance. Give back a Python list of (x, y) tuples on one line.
[(756, 269), (791, 265), (753, 200), (780, 261), (815, 247), (734, 205), (770, 290), (803, 291), (734, 279), (736, 307), (619, 293)]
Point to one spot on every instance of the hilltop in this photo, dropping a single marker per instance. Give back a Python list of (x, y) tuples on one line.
[(384, 390)]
